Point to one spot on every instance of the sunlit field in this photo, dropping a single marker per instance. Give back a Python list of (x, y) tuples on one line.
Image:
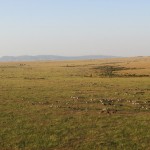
[(75, 105)]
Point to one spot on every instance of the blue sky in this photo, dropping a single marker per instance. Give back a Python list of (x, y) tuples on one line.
[(75, 27)]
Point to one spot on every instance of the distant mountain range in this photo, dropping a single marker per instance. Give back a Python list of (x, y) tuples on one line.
[(51, 57)]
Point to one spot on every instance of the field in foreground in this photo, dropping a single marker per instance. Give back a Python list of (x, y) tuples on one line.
[(75, 105)]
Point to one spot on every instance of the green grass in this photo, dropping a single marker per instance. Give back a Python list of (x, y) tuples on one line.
[(70, 106)]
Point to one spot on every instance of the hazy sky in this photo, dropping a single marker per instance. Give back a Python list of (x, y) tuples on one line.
[(75, 27)]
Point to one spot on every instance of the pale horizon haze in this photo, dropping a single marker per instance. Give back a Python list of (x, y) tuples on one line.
[(75, 27)]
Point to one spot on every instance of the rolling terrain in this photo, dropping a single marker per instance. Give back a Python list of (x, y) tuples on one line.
[(50, 57), (75, 105)]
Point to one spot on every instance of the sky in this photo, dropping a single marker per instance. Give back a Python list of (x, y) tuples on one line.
[(75, 27)]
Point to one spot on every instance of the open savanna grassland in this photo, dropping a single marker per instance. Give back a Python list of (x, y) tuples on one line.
[(75, 105)]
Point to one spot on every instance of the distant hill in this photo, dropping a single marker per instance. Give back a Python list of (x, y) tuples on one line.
[(51, 57)]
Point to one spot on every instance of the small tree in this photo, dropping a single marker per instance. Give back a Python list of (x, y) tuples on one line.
[(107, 71)]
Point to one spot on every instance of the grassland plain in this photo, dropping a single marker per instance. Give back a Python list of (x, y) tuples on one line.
[(75, 105)]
